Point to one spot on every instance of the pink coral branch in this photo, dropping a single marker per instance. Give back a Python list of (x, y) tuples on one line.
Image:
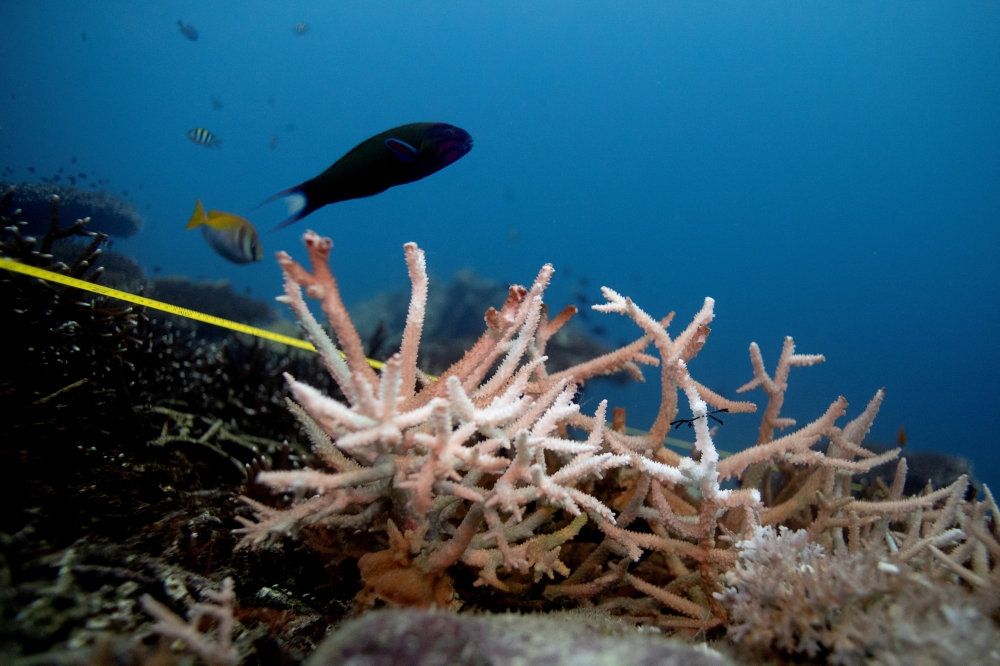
[(322, 285), (417, 267)]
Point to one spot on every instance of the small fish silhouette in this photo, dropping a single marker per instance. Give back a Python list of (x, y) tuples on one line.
[(187, 30), (301, 28), (203, 137)]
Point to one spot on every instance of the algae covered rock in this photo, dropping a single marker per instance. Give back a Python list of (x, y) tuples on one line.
[(426, 638)]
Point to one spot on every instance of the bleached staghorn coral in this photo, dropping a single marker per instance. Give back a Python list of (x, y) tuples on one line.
[(417, 456), (471, 467), (693, 522)]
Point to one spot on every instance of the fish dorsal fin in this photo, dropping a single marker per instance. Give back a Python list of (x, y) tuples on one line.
[(220, 220), (198, 217), (403, 150)]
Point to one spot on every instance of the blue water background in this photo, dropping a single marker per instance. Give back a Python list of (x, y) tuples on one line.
[(825, 170)]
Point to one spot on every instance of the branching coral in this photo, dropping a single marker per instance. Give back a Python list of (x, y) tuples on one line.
[(478, 467), (855, 607), (418, 456), (215, 649)]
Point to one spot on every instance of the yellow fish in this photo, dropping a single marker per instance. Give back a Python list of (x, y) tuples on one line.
[(230, 235)]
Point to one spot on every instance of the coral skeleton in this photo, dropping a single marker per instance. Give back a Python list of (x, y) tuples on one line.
[(214, 650), (479, 467)]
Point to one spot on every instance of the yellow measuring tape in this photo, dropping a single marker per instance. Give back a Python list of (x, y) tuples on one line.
[(51, 276)]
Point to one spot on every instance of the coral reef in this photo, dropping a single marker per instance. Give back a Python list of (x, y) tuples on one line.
[(122, 445), (215, 298), (485, 489), (109, 214), (479, 468)]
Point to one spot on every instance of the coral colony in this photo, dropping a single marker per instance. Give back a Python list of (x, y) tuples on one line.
[(479, 469)]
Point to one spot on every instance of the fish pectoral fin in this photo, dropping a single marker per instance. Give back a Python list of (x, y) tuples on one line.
[(403, 150)]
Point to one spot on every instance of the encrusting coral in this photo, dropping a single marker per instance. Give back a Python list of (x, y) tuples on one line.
[(479, 467)]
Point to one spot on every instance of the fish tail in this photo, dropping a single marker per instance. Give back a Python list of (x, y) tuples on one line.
[(298, 204), (198, 218)]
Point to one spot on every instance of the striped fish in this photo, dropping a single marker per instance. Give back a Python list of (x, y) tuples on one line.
[(203, 137), (232, 236)]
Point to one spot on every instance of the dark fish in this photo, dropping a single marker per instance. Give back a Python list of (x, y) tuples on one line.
[(187, 30), (216, 102), (301, 28), (83, 36), (274, 142), (81, 175), (230, 235), (401, 155), (31, 169), (203, 137), (73, 160)]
